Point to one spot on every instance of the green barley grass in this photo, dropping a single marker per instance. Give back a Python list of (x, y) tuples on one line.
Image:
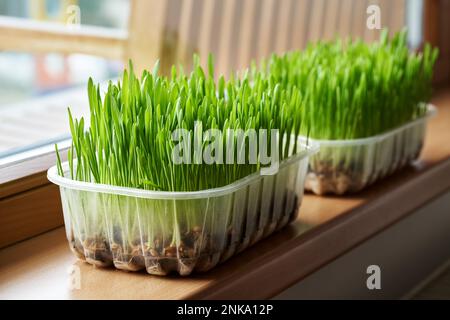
[(128, 141), (351, 89)]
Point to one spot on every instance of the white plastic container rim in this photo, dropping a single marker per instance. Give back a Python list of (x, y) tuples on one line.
[(53, 176), (431, 112)]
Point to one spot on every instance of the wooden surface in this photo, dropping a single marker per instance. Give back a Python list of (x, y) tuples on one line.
[(436, 31), (29, 213), (238, 31), (145, 33), (438, 289), (22, 176), (327, 228)]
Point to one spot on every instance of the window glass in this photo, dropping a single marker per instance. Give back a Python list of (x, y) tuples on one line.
[(35, 91), (104, 13), (37, 88)]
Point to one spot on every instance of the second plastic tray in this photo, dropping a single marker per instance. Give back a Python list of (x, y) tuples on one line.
[(345, 166)]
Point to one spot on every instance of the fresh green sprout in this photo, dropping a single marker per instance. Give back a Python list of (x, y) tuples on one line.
[(351, 89), (129, 139)]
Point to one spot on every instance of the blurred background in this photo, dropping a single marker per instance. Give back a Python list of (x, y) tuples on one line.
[(49, 48), (28, 74)]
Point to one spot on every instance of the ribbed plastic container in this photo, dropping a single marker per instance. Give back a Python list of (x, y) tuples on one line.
[(346, 166), (182, 232)]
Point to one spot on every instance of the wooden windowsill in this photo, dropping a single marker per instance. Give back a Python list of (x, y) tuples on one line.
[(327, 228)]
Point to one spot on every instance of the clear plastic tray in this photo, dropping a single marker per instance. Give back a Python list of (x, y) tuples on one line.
[(165, 232), (345, 166)]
